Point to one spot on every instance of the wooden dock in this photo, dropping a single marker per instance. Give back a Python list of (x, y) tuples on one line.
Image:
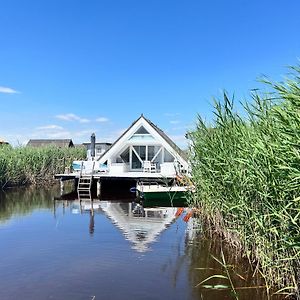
[(98, 178)]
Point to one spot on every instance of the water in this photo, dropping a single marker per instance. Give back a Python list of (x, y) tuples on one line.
[(115, 250)]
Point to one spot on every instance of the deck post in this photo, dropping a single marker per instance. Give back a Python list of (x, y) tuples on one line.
[(75, 184), (99, 188)]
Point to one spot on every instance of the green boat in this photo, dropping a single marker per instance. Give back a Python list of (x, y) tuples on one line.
[(158, 195)]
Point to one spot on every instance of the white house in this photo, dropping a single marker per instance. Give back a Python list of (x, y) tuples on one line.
[(100, 148), (143, 150), (143, 147)]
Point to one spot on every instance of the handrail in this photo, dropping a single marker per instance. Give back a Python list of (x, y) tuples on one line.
[(93, 169), (81, 167)]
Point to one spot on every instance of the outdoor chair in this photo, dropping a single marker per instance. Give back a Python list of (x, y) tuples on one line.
[(149, 166)]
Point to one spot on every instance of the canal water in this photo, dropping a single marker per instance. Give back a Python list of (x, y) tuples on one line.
[(112, 249)]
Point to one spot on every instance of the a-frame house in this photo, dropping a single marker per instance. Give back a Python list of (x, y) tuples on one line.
[(143, 147)]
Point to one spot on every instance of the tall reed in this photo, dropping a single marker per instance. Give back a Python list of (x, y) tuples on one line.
[(246, 167), (28, 165)]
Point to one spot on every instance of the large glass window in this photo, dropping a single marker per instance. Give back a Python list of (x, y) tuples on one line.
[(136, 163), (152, 151), (141, 151), (137, 154)]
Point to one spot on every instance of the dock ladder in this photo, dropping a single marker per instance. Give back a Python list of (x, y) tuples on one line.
[(84, 186)]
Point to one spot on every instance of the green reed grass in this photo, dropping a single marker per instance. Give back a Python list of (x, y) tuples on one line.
[(28, 165), (246, 168)]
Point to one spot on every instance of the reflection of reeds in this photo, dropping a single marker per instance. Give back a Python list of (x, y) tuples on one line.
[(227, 277), (206, 260), (246, 168), (34, 165), (22, 201)]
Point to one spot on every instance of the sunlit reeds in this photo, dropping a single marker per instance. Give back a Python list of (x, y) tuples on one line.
[(246, 167), (27, 165)]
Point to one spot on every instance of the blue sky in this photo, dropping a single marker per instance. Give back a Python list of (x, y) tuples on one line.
[(69, 68)]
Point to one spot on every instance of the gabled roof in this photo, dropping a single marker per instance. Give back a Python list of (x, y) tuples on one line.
[(62, 143), (158, 130)]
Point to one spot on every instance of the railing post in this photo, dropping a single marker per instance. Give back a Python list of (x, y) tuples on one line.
[(81, 167)]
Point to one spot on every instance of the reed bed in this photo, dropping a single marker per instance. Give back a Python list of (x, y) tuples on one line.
[(28, 165), (246, 168)]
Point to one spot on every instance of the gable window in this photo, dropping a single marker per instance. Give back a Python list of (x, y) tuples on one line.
[(141, 135), (142, 130)]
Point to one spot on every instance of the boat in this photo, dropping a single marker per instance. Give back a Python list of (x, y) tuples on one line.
[(162, 195)]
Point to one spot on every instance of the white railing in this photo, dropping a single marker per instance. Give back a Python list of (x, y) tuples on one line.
[(88, 167)]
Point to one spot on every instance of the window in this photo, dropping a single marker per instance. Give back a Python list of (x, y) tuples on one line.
[(168, 157), (142, 130), (125, 155), (141, 151), (152, 151), (141, 134), (136, 163)]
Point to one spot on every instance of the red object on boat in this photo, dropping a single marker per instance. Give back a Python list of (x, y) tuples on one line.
[(179, 211), (188, 216)]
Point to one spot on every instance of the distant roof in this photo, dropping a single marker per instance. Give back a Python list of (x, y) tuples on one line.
[(161, 133), (3, 142), (62, 143), (79, 146)]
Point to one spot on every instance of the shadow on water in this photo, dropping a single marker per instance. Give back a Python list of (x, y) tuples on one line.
[(106, 249)]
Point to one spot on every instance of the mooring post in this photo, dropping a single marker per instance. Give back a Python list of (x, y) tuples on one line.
[(98, 188), (54, 208)]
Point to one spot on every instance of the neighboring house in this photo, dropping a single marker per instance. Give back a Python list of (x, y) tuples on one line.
[(2, 142), (100, 148), (61, 143), (143, 147)]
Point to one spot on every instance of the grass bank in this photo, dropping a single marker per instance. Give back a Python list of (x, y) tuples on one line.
[(26, 165), (246, 167)]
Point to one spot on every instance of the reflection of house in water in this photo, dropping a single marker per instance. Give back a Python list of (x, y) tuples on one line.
[(141, 226)]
